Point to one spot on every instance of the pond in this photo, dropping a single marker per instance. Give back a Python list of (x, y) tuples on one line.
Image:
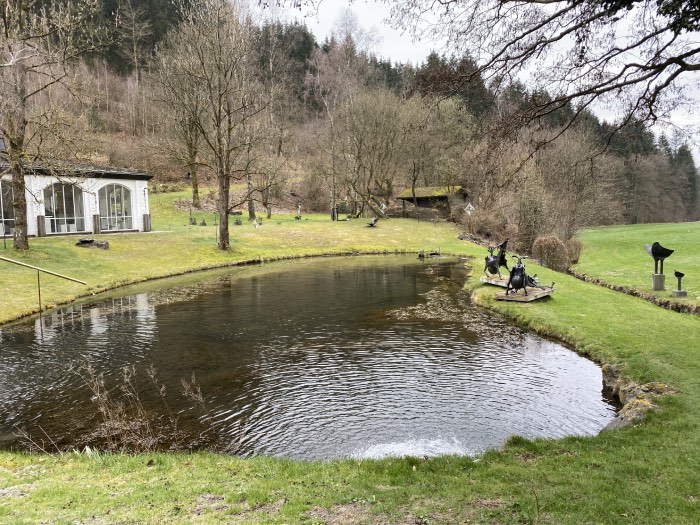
[(313, 359)]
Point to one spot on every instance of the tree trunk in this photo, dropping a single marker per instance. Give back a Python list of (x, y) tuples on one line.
[(251, 202), (224, 186), (19, 205), (192, 170), (192, 139), (19, 187), (268, 196), (16, 136), (334, 195)]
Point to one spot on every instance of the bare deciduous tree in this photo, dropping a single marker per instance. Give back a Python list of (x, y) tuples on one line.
[(38, 45), (333, 80), (133, 30), (183, 98), (372, 141), (215, 47), (439, 131), (630, 54)]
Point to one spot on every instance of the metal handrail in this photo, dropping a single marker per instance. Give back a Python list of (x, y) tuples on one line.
[(38, 282), (42, 270)]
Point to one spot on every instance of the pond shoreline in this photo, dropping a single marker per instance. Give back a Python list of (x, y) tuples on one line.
[(197, 269), (632, 409), (382, 312), (602, 325)]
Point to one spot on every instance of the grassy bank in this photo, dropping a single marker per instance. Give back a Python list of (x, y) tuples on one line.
[(646, 473)]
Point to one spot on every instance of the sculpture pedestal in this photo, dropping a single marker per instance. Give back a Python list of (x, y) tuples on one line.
[(680, 293), (658, 281)]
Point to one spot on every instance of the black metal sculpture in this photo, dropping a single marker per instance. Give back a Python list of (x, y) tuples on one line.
[(494, 262), (659, 253), (518, 276), (679, 276)]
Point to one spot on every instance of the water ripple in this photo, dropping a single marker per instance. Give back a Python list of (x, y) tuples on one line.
[(385, 357)]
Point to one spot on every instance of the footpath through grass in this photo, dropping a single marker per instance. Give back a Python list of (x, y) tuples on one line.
[(645, 474)]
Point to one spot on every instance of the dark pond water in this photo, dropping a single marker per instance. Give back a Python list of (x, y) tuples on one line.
[(360, 357)]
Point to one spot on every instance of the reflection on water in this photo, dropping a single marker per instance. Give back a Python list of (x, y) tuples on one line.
[(318, 359)]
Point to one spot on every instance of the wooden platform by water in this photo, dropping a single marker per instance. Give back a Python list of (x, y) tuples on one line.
[(503, 282), (532, 295)]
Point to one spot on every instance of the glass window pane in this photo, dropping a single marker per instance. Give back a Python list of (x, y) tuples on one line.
[(127, 203), (6, 196), (63, 208), (69, 202), (79, 203), (115, 207), (48, 202), (59, 203), (103, 202), (112, 201)]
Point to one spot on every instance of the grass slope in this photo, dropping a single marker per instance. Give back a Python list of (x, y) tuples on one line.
[(616, 255), (645, 474)]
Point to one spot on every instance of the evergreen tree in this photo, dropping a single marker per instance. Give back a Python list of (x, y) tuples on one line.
[(683, 166), (461, 78)]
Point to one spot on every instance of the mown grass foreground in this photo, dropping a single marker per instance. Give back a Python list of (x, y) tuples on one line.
[(645, 473)]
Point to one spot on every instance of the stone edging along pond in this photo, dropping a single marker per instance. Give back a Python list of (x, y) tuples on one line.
[(684, 308), (635, 399)]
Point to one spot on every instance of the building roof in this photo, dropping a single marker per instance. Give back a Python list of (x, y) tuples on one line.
[(84, 170), (431, 192)]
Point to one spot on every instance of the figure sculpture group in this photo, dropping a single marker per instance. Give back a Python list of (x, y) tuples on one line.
[(518, 278), (494, 262)]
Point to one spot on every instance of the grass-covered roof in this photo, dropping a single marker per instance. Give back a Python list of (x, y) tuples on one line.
[(430, 192)]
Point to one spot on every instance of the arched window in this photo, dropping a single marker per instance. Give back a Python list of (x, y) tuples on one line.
[(115, 208), (63, 208), (7, 214)]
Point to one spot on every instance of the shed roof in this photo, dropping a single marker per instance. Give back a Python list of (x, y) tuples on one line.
[(431, 192)]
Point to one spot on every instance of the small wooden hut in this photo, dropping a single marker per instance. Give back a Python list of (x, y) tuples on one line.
[(444, 199)]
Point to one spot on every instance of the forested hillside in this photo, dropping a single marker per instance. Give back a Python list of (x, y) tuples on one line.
[(317, 123)]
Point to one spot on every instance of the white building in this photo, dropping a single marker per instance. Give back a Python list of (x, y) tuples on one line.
[(82, 199)]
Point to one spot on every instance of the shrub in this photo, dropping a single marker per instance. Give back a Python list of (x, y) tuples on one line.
[(530, 221), (574, 247), (551, 252), (486, 223)]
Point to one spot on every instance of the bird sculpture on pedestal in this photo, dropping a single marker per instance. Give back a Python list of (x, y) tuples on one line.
[(659, 253), (679, 276)]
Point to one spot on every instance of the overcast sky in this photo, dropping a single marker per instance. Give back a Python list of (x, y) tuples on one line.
[(400, 46), (392, 44)]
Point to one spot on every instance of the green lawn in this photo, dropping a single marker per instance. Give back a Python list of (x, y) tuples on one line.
[(616, 255), (647, 473)]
